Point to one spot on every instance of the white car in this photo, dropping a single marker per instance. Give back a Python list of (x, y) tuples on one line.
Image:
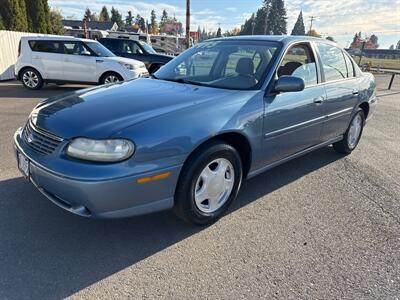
[(71, 60)]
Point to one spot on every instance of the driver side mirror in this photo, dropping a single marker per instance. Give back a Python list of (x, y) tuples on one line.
[(289, 84)]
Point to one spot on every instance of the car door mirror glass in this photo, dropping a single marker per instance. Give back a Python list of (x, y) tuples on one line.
[(289, 84)]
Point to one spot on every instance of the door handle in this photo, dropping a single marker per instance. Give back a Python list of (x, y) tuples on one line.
[(355, 92), (318, 100), (99, 60)]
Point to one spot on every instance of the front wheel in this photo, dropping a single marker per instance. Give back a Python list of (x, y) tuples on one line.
[(353, 134), (209, 183), (110, 77)]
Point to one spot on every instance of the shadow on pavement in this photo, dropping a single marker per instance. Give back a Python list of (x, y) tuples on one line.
[(48, 253), (14, 89)]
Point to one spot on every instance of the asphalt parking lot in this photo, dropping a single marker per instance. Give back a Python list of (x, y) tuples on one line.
[(324, 226)]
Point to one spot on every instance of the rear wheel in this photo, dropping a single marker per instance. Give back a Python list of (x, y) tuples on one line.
[(353, 134), (31, 79), (209, 183), (110, 77)]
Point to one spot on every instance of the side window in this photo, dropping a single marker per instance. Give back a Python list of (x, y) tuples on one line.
[(111, 44), (350, 68), (130, 47), (199, 64), (76, 48), (45, 46), (299, 61), (333, 62), (243, 54)]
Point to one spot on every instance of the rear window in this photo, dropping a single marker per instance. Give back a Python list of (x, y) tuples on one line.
[(333, 62), (45, 46)]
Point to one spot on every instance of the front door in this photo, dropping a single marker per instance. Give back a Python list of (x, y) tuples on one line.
[(79, 63), (293, 120)]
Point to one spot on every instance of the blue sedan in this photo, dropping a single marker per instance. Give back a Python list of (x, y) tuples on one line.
[(224, 110)]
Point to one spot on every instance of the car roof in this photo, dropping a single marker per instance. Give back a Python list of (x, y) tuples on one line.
[(285, 39), (55, 38)]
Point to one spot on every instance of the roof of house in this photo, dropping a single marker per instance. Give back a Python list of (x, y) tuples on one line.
[(78, 24)]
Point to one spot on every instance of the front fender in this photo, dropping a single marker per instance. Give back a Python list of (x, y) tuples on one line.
[(179, 133)]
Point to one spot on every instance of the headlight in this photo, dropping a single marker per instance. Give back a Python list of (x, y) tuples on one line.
[(128, 66), (112, 150)]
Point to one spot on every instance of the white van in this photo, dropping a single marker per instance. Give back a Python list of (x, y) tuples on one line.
[(71, 60)]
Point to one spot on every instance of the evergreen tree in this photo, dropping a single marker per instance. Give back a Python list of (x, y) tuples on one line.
[(204, 34), (47, 15), (129, 20), (164, 19), (276, 23), (153, 23), (116, 17), (38, 20), (140, 22), (88, 14), (13, 13), (219, 32), (247, 27), (56, 22), (299, 28), (2, 27), (104, 16), (398, 45)]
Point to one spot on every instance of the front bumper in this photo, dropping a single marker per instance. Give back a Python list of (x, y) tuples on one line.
[(133, 74), (107, 198)]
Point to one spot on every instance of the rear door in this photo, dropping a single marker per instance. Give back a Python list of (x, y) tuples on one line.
[(131, 49), (79, 63), (293, 120), (341, 88), (47, 58)]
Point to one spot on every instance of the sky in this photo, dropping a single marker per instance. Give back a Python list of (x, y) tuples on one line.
[(337, 18)]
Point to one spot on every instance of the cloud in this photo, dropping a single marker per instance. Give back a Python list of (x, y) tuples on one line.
[(231, 9)]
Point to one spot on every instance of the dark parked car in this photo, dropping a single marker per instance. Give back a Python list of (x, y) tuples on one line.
[(224, 110), (138, 50)]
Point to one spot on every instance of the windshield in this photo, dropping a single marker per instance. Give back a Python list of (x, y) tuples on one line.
[(229, 64), (147, 47), (99, 49)]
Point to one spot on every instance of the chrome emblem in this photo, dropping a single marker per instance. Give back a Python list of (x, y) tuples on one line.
[(30, 138)]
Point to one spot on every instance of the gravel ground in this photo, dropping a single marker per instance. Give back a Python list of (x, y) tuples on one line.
[(323, 226)]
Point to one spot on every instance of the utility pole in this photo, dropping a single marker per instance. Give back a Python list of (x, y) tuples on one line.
[(312, 18), (253, 24), (188, 23)]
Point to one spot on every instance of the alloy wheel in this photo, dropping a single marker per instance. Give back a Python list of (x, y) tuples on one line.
[(30, 79), (354, 131)]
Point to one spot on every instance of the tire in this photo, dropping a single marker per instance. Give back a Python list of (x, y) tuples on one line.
[(221, 162), (31, 79), (353, 134), (110, 77)]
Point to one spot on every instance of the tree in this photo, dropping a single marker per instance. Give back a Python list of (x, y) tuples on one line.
[(104, 16), (299, 28), (246, 28), (313, 32), (374, 40), (329, 38), (153, 23), (276, 22), (219, 32), (2, 27), (391, 47), (38, 16), (129, 20), (116, 17), (56, 22), (88, 15), (398, 45), (164, 19), (13, 13), (140, 22)]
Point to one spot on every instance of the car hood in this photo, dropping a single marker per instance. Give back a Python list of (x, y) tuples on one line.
[(124, 60), (102, 111)]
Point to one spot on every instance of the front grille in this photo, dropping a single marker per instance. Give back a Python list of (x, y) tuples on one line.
[(39, 140)]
